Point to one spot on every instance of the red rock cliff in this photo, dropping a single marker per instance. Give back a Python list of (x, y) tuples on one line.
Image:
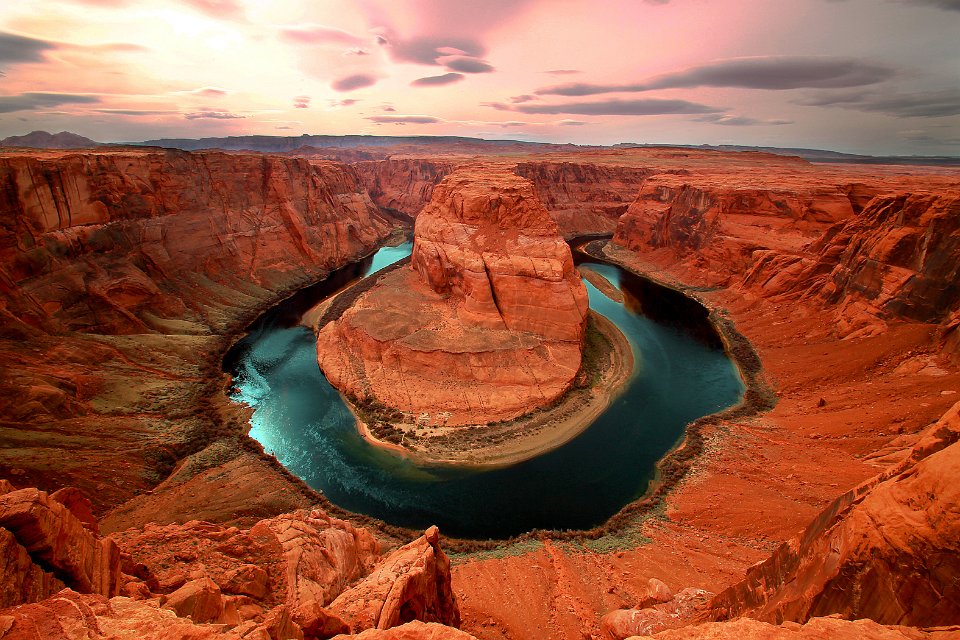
[(888, 550), (402, 186), (898, 259), (584, 198), (122, 272)]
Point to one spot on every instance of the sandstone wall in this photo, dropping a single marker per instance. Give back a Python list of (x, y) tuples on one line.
[(898, 259), (488, 324), (489, 241), (402, 186), (122, 275), (584, 198)]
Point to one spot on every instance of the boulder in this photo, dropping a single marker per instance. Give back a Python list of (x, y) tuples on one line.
[(54, 538), (412, 583)]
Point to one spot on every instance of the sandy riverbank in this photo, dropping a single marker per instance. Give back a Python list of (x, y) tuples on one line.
[(608, 365)]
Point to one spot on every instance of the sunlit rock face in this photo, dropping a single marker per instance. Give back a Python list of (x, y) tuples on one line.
[(487, 325)]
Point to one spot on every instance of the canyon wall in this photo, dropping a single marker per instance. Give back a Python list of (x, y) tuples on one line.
[(487, 325), (123, 276), (724, 221), (402, 186), (898, 259), (873, 259), (584, 198)]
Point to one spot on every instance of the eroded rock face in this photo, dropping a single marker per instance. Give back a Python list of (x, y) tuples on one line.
[(412, 583), (898, 259), (413, 631), (487, 240), (888, 550), (121, 274), (403, 186), (815, 629), (722, 221), (488, 324), (584, 198), (287, 577), (45, 534)]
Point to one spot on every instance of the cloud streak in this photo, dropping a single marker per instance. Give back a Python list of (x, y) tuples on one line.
[(404, 119), (614, 107), (467, 65), (16, 48), (212, 115), (353, 82), (739, 121), (770, 72), (317, 34), (920, 104), (436, 81), (31, 101)]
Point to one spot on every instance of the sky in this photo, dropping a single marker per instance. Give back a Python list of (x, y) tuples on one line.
[(862, 76)]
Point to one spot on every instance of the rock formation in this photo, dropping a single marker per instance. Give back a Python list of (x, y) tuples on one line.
[(582, 197), (488, 324), (122, 274), (402, 187), (888, 550), (727, 219), (898, 259), (285, 577)]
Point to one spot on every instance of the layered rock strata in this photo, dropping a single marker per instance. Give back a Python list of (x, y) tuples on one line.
[(403, 186), (487, 325), (888, 550), (122, 275), (898, 259), (584, 198)]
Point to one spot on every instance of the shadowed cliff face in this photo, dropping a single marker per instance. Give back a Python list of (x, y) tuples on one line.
[(122, 274), (584, 198), (898, 259), (402, 187), (724, 222)]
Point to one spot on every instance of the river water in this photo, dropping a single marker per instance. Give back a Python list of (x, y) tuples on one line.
[(682, 373)]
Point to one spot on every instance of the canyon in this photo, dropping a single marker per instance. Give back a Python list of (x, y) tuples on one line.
[(127, 273)]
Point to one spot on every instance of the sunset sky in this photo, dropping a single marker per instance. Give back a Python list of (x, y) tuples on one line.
[(869, 76)]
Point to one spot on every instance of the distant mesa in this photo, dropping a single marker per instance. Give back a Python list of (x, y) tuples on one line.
[(46, 140), (487, 325)]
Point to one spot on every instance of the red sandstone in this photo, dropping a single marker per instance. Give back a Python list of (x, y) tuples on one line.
[(845, 307)]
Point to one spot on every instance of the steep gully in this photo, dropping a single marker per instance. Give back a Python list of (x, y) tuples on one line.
[(833, 427)]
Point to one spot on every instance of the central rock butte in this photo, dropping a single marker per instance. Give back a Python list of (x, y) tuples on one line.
[(487, 325)]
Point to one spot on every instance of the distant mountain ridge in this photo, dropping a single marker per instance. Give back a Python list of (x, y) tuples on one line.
[(283, 144), (314, 144), (46, 140), (811, 155)]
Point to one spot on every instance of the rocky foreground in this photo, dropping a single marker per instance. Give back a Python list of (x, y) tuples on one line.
[(126, 274), (487, 324)]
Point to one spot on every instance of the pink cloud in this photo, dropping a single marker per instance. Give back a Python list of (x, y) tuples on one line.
[(352, 82), (227, 9), (319, 34)]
